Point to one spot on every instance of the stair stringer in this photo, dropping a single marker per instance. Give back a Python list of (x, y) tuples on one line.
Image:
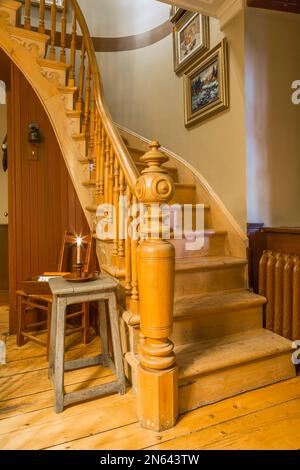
[(220, 216), (53, 104)]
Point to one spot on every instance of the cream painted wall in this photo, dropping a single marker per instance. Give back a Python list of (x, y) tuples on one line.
[(3, 175), (273, 122), (117, 18), (146, 96)]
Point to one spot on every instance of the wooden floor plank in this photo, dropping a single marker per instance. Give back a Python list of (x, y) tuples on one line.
[(133, 437), (18, 386), (23, 366), (108, 413), (31, 349), (39, 401), (268, 418), (275, 428)]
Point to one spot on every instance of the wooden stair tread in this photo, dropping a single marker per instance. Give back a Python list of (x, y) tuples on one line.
[(185, 185), (73, 113), (134, 149), (208, 232), (194, 204), (218, 302), (11, 4), (89, 183), (67, 89), (92, 208), (54, 64), (167, 167), (220, 353), (209, 262)]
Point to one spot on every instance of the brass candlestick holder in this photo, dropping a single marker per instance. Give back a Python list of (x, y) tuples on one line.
[(78, 270), (78, 274)]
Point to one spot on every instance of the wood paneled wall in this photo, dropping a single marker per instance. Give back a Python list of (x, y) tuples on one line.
[(42, 199)]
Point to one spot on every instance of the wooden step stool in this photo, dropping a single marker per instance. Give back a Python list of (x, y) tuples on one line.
[(67, 293)]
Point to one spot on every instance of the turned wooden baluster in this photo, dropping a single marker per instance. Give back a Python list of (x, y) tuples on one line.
[(63, 32), (270, 291), (287, 296), (122, 217), (97, 151), (100, 166), (71, 81), (79, 101), (296, 300), (116, 207), (91, 148), (278, 295), (106, 169), (89, 104), (52, 55), (128, 243), (41, 28), (111, 175), (157, 372), (27, 18), (134, 265)]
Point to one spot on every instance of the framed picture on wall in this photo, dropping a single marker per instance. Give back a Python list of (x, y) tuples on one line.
[(176, 13), (191, 39), (206, 85)]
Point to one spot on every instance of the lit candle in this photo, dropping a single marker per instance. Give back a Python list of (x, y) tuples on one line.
[(78, 241)]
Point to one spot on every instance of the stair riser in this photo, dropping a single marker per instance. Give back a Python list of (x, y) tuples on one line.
[(218, 385), (206, 327), (11, 16), (85, 172), (104, 252), (56, 76), (200, 327), (184, 195), (213, 246), (69, 100), (136, 154), (207, 221), (201, 282), (38, 48), (81, 146), (74, 124)]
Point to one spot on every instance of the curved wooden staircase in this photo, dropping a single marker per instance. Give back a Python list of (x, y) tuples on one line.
[(198, 298)]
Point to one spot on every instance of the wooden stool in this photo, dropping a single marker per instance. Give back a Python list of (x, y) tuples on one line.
[(43, 304), (67, 293)]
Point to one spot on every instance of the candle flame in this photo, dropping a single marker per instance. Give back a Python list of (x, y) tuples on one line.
[(78, 241)]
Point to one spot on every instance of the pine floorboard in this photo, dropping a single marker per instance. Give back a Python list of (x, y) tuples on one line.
[(267, 418)]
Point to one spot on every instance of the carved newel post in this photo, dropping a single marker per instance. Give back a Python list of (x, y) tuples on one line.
[(157, 373)]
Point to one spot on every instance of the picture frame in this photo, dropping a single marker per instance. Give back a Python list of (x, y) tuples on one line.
[(48, 4), (190, 39), (206, 85), (176, 13)]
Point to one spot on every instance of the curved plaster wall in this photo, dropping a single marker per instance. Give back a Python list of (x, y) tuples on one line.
[(146, 96)]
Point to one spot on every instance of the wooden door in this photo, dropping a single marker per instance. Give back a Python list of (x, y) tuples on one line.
[(3, 263)]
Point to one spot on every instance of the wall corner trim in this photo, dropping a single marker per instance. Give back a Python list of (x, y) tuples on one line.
[(228, 11)]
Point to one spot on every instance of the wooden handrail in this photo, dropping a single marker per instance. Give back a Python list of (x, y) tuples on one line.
[(126, 162)]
